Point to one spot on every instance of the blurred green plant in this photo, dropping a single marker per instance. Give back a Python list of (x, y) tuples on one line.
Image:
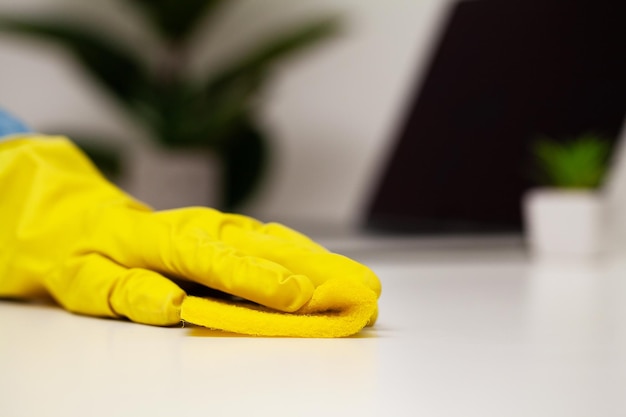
[(580, 163), (215, 111)]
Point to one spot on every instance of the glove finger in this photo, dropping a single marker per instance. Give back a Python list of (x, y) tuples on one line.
[(223, 268), (282, 245), (95, 285), (182, 243), (318, 265), (285, 246)]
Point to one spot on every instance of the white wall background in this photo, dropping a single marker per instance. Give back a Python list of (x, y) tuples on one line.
[(331, 111)]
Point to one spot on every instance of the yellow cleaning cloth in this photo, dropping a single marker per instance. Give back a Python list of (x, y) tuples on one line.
[(337, 309)]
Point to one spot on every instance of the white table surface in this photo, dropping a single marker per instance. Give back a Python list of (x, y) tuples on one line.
[(462, 332)]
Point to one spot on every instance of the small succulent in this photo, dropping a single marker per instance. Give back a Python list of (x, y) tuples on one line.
[(579, 163)]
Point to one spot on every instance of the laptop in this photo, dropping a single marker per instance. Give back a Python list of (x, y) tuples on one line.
[(503, 73)]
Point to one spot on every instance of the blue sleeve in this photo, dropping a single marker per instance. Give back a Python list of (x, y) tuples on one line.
[(10, 125)]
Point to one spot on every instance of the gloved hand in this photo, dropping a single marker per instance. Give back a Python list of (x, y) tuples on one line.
[(69, 233)]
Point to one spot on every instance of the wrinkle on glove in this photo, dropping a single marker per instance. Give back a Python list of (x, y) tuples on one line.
[(338, 308)]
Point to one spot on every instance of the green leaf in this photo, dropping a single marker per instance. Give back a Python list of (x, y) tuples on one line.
[(257, 63), (176, 19), (108, 62), (581, 163), (244, 158), (207, 114), (187, 115)]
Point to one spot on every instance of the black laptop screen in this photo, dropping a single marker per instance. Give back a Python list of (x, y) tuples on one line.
[(503, 74)]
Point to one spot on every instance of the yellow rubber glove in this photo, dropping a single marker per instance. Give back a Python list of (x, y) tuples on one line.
[(69, 233)]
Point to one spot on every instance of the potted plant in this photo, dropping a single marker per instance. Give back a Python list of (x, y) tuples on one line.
[(212, 114), (564, 217)]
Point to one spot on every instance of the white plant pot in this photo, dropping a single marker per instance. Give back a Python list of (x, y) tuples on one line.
[(171, 178), (564, 223)]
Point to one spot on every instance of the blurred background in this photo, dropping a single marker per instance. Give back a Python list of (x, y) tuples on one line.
[(326, 111), (286, 111)]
